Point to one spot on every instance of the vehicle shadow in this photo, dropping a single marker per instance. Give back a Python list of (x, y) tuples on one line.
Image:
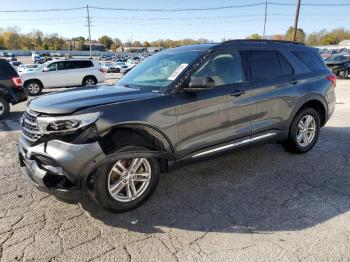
[(260, 190)]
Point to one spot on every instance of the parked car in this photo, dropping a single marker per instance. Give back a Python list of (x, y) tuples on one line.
[(339, 64), (121, 66), (36, 58), (15, 64), (4, 54), (11, 58), (63, 73), (180, 105), (11, 90), (25, 68), (110, 67)]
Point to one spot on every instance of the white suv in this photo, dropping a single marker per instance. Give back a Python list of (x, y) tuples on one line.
[(63, 73)]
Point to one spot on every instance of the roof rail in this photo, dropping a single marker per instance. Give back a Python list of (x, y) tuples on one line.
[(264, 41)]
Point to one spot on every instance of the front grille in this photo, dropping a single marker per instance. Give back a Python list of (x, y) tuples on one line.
[(30, 130)]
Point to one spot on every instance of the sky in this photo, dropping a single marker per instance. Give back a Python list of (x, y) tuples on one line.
[(213, 25)]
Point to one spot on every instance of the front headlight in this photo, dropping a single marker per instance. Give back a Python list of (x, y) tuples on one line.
[(48, 125)]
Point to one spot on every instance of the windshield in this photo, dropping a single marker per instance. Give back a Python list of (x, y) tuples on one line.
[(157, 72), (336, 58)]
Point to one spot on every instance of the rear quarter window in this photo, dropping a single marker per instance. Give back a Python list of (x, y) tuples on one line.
[(310, 60), (6, 69)]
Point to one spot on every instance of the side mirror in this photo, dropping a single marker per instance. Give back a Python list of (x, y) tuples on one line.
[(46, 69), (200, 83)]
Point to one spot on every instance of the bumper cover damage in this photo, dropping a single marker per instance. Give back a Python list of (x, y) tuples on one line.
[(60, 168), (56, 167)]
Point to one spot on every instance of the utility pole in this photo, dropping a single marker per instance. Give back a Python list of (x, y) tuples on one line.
[(265, 19), (296, 21), (89, 27)]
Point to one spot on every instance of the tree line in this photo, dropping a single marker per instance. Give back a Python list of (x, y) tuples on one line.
[(11, 38), (322, 37)]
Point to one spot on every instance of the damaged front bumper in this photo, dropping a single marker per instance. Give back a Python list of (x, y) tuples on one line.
[(56, 166)]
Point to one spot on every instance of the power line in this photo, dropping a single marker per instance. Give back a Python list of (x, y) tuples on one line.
[(176, 9), (173, 9), (41, 10)]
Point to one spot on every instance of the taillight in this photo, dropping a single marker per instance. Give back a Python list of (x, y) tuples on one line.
[(102, 70), (333, 79), (17, 81)]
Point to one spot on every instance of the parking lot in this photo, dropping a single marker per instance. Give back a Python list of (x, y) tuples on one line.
[(262, 204)]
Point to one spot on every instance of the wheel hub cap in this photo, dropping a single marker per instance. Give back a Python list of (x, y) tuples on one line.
[(129, 179), (306, 130)]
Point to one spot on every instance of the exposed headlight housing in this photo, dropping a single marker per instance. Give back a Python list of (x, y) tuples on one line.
[(48, 125)]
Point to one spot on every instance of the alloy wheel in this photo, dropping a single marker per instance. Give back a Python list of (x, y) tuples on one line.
[(306, 130), (129, 179), (89, 82)]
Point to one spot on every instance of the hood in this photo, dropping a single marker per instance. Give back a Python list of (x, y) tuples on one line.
[(67, 102)]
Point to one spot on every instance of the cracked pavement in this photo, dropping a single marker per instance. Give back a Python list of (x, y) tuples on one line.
[(262, 204)]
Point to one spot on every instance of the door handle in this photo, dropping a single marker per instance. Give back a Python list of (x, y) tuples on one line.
[(238, 92), (294, 82)]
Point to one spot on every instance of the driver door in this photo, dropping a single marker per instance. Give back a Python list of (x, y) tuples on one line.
[(209, 119), (53, 75)]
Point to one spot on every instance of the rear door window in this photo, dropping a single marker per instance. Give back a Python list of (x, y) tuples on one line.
[(265, 64), (310, 60), (6, 69)]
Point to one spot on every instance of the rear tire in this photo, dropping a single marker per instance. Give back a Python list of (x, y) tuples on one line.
[(89, 81), (33, 87), (4, 108), (120, 191), (304, 131)]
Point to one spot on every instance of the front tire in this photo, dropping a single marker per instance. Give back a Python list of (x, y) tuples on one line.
[(4, 108), (33, 87), (127, 182), (304, 131)]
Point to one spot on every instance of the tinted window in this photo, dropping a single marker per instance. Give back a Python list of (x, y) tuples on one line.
[(265, 64), (286, 67), (223, 68), (70, 65), (310, 60), (6, 69), (84, 64)]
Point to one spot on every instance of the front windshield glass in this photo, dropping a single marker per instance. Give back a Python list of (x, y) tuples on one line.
[(157, 72)]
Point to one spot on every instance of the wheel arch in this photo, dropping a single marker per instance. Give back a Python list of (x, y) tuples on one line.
[(92, 76), (33, 79), (137, 135), (316, 102)]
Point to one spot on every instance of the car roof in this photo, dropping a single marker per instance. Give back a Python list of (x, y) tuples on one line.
[(246, 43)]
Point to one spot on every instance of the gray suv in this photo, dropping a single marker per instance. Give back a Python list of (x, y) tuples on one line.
[(178, 106)]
